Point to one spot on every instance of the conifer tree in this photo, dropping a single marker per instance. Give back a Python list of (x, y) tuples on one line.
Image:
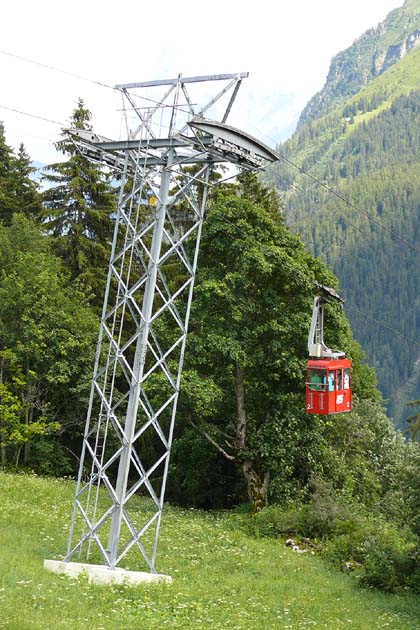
[(26, 188), (18, 190), (8, 200), (78, 209), (413, 421)]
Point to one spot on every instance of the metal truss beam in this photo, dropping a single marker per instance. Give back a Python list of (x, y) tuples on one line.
[(180, 79)]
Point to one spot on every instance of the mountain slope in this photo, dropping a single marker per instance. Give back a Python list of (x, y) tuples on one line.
[(364, 145), (370, 55)]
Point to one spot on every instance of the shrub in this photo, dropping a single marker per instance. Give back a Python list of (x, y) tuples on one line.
[(49, 457), (275, 521), (388, 556), (389, 564), (316, 519), (323, 513)]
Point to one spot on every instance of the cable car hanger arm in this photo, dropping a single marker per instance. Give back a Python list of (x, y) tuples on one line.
[(316, 345)]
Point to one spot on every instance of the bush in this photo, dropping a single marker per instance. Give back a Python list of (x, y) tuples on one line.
[(318, 518), (274, 521), (387, 556), (389, 565), (49, 457), (323, 514)]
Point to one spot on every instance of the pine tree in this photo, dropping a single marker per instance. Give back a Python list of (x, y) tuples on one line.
[(8, 200), (78, 209), (18, 190), (26, 188)]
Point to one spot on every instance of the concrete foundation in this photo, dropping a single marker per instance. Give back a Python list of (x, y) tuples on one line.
[(101, 574)]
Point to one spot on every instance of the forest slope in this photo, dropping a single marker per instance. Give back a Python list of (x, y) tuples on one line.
[(360, 138)]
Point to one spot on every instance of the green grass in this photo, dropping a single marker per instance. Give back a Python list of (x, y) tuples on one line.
[(223, 579)]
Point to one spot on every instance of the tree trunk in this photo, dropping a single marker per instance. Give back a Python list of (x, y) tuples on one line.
[(3, 455), (241, 423), (257, 486), (28, 397), (18, 452), (29, 412)]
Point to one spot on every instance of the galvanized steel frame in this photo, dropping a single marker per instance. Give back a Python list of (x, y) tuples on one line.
[(149, 236)]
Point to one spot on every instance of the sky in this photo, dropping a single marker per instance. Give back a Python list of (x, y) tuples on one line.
[(285, 46)]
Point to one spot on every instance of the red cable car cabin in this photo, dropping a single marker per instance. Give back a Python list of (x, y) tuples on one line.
[(328, 386)]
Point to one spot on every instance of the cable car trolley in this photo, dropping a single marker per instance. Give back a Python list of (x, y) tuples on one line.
[(328, 372)]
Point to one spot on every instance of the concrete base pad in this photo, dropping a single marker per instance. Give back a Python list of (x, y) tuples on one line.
[(101, 574)]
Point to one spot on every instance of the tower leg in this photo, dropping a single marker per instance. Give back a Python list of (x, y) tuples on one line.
[(138, 368)]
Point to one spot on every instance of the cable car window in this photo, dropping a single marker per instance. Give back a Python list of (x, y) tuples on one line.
[(346, 378), (339, 379), (331, 381), (316, 380)]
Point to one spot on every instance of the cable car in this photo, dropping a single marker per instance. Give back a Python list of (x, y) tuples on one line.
[(328, 386), (328, 372)]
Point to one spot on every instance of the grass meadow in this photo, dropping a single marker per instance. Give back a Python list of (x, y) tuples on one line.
[(223, 578)]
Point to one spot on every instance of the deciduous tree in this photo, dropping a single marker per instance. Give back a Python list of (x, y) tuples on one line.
[(47, 341), (247, 340)]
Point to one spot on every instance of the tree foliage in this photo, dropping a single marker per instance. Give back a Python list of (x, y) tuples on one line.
[(79, 206), (18, 191), (47, 336), (247, 347)]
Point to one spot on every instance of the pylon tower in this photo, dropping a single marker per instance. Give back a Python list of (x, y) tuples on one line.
[(164, 167)]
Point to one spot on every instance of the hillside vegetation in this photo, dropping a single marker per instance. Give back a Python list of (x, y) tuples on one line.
[(370, 56), (242, 436), (359, 138), (242, 432), (222, 577)]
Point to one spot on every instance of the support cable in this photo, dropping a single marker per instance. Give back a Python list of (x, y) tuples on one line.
[(350, 204), (381, 323), (75, 76), (53, 68), (355, 308), (19, 111)]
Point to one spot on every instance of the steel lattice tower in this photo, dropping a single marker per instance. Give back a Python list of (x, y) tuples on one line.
[(164, 168)]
